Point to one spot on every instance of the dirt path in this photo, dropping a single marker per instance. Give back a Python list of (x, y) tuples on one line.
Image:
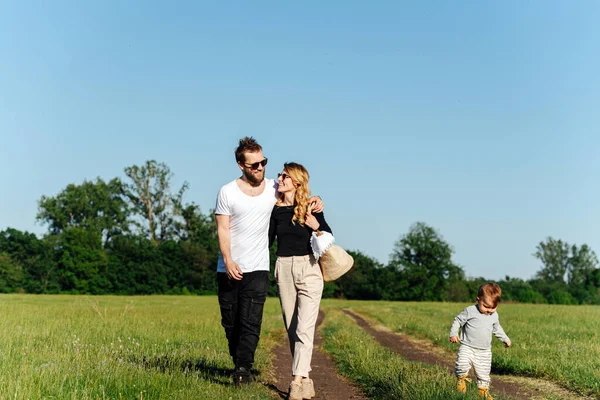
[(328, 384), (512, 387)]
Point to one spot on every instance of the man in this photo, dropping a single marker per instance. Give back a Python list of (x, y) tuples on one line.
[(243, 212)]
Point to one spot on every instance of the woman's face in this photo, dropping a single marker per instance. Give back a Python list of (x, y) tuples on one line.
[(285, 183)]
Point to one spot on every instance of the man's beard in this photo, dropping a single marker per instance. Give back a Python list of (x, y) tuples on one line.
[(253, 179)]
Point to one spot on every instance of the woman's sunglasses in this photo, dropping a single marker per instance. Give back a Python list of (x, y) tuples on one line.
[(255, 165), (283, 176)]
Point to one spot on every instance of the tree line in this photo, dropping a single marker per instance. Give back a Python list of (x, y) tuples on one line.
[(137, 236)]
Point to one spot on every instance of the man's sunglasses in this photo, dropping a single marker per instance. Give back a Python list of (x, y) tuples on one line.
[(256, 164)]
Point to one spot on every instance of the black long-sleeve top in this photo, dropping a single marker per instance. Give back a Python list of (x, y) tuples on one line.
[(293, 239)]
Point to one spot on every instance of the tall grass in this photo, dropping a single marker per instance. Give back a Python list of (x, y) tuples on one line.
[(159, 347), (167, 347), (559, 343), (381, 373)]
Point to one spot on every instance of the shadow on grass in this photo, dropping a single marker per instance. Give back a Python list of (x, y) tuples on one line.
[(208, 370), (281, 394), (510, 371)]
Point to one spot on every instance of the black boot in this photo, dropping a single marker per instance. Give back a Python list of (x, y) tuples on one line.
[(242, 376)]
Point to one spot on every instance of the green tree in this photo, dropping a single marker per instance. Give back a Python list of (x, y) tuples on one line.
[(36, 258), (199, 275), (11, 274), (361, 282), (149, 192), (136, 266), (457, 290), (555, 257), (473, 285), (393, 284), (199, 245), (561, 297), (582, 262), (82, 262), (424, 260), (516, 289), (553, 291), (98, 206), (200, 229)]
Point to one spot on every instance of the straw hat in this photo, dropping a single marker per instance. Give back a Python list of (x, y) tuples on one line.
[(335, 262)]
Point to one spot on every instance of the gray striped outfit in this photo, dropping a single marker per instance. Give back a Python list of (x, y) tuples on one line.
[(476, 342)]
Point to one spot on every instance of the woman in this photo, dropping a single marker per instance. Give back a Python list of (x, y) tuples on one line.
[(298, 275)]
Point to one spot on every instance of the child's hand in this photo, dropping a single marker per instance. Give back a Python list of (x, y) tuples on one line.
[(454, 339), (506, 344)]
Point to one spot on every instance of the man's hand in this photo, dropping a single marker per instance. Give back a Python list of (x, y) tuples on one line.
[(507, 344), (317, 204), (233, 271), (454, 339)]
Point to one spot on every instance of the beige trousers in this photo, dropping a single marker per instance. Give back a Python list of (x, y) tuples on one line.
[(300, 283)]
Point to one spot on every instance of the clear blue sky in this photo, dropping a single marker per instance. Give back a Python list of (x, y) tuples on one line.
[(478, 118)]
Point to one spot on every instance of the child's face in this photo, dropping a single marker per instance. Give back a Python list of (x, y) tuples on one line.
[(485, 306)]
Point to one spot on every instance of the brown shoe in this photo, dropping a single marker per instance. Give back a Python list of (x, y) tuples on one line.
[(308, 389), (295, 391), (485, 394)]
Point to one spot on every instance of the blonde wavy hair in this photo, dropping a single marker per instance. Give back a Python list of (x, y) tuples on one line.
[(300, 178)]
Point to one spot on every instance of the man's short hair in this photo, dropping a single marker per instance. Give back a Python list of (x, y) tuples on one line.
[(491, 292), (246, 145)]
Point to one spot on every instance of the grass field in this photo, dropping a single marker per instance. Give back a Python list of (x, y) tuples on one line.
[(381, 373), (159, 347), (559, 343), (173, 347)]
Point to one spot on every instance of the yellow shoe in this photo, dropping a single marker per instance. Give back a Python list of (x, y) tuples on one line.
[(485, 394), (461, 385)]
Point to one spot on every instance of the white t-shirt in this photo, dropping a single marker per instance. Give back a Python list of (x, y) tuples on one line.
[(248, 225)]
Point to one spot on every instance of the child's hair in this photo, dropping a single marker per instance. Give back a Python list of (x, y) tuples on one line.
[(491, 292)]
